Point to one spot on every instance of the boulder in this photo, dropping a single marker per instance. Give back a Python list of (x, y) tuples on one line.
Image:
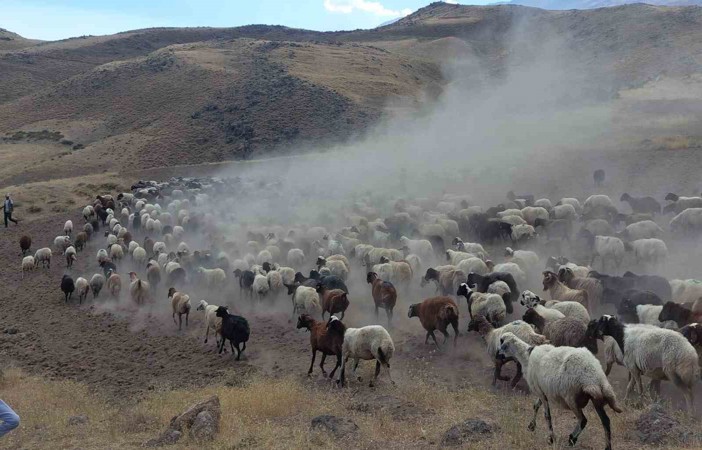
[(339, 427)]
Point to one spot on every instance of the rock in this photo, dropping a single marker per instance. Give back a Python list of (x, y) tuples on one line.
[(204, 427), (338, 426), (399, 409), (11, 330), (471, 430), (186, 419), (657, 427), (168, 437), (77, 420)]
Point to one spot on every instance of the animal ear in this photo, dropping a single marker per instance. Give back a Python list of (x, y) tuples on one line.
[(694, 338)]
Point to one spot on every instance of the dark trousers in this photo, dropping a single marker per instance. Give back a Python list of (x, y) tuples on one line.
[(8, 216)]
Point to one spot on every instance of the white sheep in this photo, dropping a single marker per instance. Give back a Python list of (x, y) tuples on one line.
[(295, 257), (287, 274), (686, 291), (305, 301), (260, 286), (574, 202), (71, 256), (159, 247), (367, 343), (490, 306), (421, 247), (162, 259), (116, 252), (68, 228), (644, 229), (97, 281), (499, 287), (525, 259), (687, 222), (264, 256), (598, 200), (27, 264), (102, 256), (61, 243), (570, 309), (648, 315), (213, 278), (565, 212), (531, 300), (475, 265), (111, 240), (211, 320), (531, 213), (607, 248), (182, 248), (139, 255), (338, 268), (171, 266), (133, 245), (650, 251), (82, 288), (88, 213), (510, 212), (566, 377), (512, 268), (521, 232), (43, 255), (454, 257), (543, 203), (275, 281)]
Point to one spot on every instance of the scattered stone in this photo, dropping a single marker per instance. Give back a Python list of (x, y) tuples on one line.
[(204, 427), (186, 419), (11, 330), (657, 427), (471, 430), (77, 420), (399, 409), (338, 426), (168, 437)]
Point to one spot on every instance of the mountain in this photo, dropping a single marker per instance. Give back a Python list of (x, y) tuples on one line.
[(591, 4), (13, 41)]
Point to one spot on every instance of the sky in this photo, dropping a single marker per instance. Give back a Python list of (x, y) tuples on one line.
[(60, 19)]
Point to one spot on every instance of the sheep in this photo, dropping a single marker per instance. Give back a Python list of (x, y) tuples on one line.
[(43, 255), (367, 343), (153, 274), (645, 229), (27, 264), (71, 257), (263, 256), (475, 265), (333, 300), (436, 313), (470, 247), (574, 202), (492, 335), (571, 309), (83, 288), (114, 283), (211, 320), (525, 259), (97, 281), (213, 278), (336, 267), (139, 256), (260, 286), (415, 263), (157, 247), (67, 286), (509, 267), (139, 290), (598, 200), (559, 291), (683, 203), (420, 247), (25, 244), (678, 313), (643, 314), (687, 291), (641, 205), (81, 240), (111, 240), (61, 243), (490, 306), (384, 294), (234, 328), (566, 331), (531, 213), (565, 376), (604, 247), (598, 227), (116, 252), (654, 352), (88, 213), (102, 256), (563, 212), (68, 228), (296, 257), (305, 300), (481, 283), (322, 340), (592, 286), (397, 272), (543, 203), (531, 300), (246, 279), (688, 223), (275, 282), (649, 251), (180, 304), (521, 233)]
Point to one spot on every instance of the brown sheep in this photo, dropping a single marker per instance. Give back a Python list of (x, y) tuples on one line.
[(560, 291), (563, 332), (114, 283), (436, 313), (139, 290), (323, 341), (592, 286), (333, 300), (384, 294), (25, 244), (153, 273), (127, 238), (180, 303), (81, 239)]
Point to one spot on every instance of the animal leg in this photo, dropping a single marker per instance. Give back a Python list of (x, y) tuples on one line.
[(238, 352), (426, 340), (446, 336), (180, 321), (455, 332), (314, 355), (517, 376), (579, 427), (207, 333), (604, 418), (338, 363), (549, 421), (355, 367), (532, 424), (377, 371), (321, 364), (342, 374), (435, 341)]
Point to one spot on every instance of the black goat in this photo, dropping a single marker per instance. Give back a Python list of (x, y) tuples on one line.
[(67, 286), (234, 328)]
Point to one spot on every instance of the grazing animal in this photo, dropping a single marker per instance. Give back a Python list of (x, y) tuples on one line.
[(321, 340), (333, 300), (384, 294), (25, 243), (235, 329), (436, 313), (67, 286), (180, 304), (97, 281), (211, 320)]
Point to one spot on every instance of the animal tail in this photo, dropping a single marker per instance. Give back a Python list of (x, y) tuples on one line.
[(605, 393), (448, 312), (381, 356)]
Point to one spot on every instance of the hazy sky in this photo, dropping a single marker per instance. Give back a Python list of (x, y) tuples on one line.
[(58, 19)]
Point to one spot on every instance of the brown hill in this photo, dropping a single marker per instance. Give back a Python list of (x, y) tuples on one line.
[(13, 41)]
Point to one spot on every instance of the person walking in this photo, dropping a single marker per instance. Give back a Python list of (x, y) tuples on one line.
[(9, 420), (7, 208)]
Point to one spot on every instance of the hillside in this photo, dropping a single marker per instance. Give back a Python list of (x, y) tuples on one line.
[(591, 4), (13, 41)]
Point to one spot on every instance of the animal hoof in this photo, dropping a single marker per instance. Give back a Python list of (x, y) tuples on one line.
[(532, 426), (571, 441), (550, 440), (371, 384), (360, 378)]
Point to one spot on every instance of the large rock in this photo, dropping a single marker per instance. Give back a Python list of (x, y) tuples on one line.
[(471, 430), (187, 418), (168, 437), (205, 427), (339, 427), (657, 427), (201, 419)]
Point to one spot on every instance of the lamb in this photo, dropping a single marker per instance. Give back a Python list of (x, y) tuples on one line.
[(43, 256), (482, 283), (180, 304), (116, 252), (211, 320), (296, 257), (436, 313), (367, 343), (25, 244), (566, 331), (68, 228), (531, 300), (384, 294), (605, 247), (492, 335), (27, 264), (559, 291), (641, 205), (305, 300), (679, 313), (650, 251), (62, 243), (525, 259), (490, 306), (139, 290), (114, 283), (67, 286), (234, 328), (213, 278), (83, 288), (70, 256), (322, 340), (333, 300), (645, 229), (97, 281), (568, 377), (654, 352), (592, 286)]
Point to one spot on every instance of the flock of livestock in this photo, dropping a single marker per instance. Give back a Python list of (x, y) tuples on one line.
[(170, 234)]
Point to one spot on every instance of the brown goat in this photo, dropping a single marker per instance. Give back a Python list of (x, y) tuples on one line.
[(81, 239), (323, 341), (592, 286), (679, 313), (436, 313), (25, 244), (333, 300), (384, 294), (114, 284)]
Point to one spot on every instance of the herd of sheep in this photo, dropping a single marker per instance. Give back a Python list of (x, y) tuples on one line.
[(170, 234)]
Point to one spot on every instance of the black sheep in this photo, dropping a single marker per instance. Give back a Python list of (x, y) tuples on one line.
[(654, 283), (482, 283), (246, 279), (328, 281), (67, 286), (642, 205), (108, 266), (234, 328)]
